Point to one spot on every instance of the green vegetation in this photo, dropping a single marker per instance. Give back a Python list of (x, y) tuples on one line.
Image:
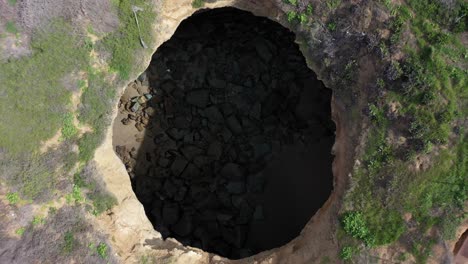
[(331, 26), (12, 198), (20, 231), (12, 2), (309, 10), (292, 16), (347, 253), (124, 43), (52, 210), (303, 18), (102, 201), (102, 250), (38, 220), (100, 198), (429, 86), (34, 179), (198, 3), (68, 128), (69, 243), (76, 195), (10, 27), (96, 102), (34, 101), (355, 225)]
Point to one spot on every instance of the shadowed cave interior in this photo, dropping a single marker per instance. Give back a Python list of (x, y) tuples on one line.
[(227, 135)]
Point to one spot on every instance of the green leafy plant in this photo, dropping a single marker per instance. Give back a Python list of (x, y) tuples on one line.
[(309, 10), (38, 220), (355, 225), (20, 231), (331, 26), (75, 196), (12, 197), (347, 253), (102, 250), (292, 16), (303, 18)]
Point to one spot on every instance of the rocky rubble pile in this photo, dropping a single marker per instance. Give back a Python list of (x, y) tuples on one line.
[(217, 103)]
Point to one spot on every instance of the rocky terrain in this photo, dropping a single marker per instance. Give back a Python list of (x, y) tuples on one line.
[(211, 165), (226, 97)]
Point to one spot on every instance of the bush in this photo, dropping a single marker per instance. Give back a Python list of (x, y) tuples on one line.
[(354, 225), (347, 253), (102, 250), (12, 198)]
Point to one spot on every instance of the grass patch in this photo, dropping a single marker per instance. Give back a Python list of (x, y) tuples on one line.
[(35, 179), (96, 102), (124, 43), (34, 100), (431, 91), (10, 27), (12, 2)]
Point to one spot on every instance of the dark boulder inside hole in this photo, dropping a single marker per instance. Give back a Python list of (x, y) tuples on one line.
[(227, 135)]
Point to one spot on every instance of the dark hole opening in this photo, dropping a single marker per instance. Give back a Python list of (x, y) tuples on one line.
[(227, 135)]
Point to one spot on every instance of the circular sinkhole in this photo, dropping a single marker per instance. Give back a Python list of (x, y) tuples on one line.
[(227, 135)]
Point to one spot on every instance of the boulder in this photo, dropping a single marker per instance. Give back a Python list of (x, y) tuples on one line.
[(190, 172), (190, 151), (184, 226), (170, 213), (236, 187), (232, 171), (198, 98), (178, 166), (234, 125), (213, 114), (215, 149)]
